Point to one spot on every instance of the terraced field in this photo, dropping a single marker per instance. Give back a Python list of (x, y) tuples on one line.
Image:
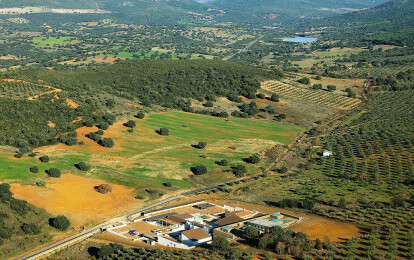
[(313, 96)]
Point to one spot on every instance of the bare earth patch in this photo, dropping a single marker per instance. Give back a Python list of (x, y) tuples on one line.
[(75, 197), (51, 124)]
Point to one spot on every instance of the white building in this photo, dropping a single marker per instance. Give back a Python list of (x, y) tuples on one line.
[(327, 153), (195, 237)]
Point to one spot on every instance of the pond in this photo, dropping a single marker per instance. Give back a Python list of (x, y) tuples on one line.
[(300, 39)]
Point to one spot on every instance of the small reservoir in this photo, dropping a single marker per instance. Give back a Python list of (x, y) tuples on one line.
[(300, 39)]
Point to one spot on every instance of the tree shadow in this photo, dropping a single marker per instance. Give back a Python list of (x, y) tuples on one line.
[(93, 251), (51, 221)]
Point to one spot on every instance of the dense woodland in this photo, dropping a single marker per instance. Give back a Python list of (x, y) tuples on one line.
[(165, 83)]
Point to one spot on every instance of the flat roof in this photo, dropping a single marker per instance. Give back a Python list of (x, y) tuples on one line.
[(196, 234), (231, 219), (161, 216), (204, 205), (264, 223)]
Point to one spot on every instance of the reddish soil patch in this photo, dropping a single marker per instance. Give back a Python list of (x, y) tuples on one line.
[(320, 227), (51, 124), (71, 103), (133, 105), (75, 197), (80, 118)]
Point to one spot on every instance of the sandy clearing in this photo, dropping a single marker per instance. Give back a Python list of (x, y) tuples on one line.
[(75, 197)]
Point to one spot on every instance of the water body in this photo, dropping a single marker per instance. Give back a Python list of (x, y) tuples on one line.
[(300, 39)]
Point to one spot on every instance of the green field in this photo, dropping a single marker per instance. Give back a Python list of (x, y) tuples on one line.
[(144, 158), (50, 41)]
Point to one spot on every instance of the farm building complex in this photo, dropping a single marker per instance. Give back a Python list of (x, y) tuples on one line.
[(196, 223)]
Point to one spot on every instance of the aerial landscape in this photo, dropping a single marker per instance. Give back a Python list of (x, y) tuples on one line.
[(206, 129)]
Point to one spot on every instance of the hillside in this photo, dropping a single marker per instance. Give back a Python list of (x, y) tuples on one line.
[(296, 9), (49, 3), (166, 83), (257, 12), (388, 17)]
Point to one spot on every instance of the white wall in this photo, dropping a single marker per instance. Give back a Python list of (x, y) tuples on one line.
[(167, 242)]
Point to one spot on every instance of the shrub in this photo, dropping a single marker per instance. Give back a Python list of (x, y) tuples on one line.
[(224, 162), (106, 142), (54, 172), (209, 104), (130, 124), (18, 155), (104, 188), (5, 193), (44, 159), (41, 184), (83, 166), (253, 159), (32, 154), (239, 170), (251, 232), (34, 169), (283, 169), (61, 222), (68, 139), (201, 145), (19, 206), (94, 136), (140, 115), (199, 170), (220, 243), (274, 97), (163, 131), (100, 132), (88, 122), (342, 203), (304, 80), (104, 126), (31, 229), (317, 86), (261, 96), (168, 184), (331, 88)]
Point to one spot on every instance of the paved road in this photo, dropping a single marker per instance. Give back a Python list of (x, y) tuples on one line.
[(243, 50)]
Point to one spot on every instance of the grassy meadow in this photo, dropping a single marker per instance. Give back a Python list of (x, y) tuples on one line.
[(143, 158)]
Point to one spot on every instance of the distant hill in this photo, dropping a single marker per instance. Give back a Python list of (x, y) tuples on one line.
[(71, 4), (295, 8), (389, 17), (236, 11)]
